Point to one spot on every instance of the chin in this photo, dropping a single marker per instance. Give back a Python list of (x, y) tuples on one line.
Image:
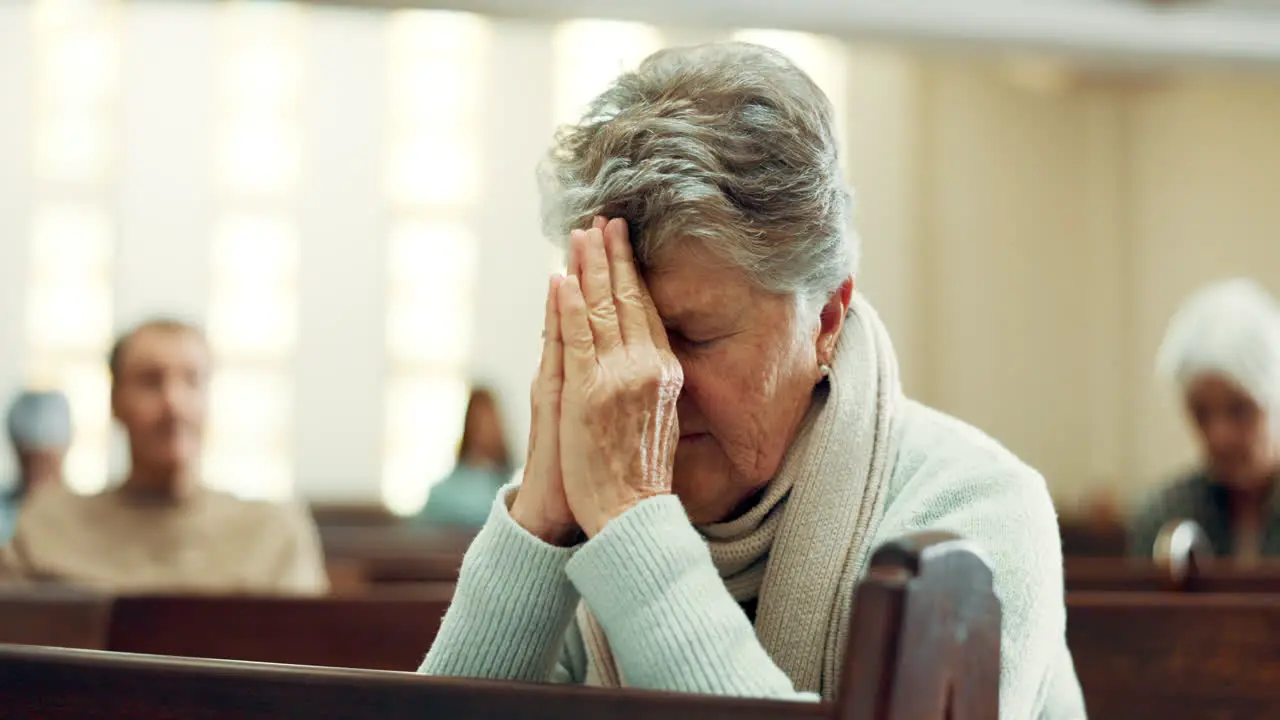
[(171, 460), (705, 488)]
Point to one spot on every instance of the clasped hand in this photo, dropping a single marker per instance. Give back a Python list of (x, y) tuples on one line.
[(604, 431)]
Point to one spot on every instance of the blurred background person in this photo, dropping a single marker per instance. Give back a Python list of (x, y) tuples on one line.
[(465, 496), (40, 432), (1222, 348), (161, 528)]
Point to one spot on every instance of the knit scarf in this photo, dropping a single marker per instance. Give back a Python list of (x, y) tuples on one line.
[(802, 548)]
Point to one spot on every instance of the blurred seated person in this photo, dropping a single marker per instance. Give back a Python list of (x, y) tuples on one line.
[(465, 496), (40, 431), (161, 530), (1223, 350)]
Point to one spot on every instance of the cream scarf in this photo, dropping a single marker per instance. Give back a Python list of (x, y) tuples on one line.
[(803, 547)]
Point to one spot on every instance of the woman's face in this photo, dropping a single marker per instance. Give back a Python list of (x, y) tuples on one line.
[(750, 365), (1233, 431)]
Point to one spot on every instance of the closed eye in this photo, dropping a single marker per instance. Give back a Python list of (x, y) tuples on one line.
[(691, 343)]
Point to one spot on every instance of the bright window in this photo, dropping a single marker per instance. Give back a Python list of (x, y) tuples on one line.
[(590, 54), (76, 64), (437, 67), (254, 249)]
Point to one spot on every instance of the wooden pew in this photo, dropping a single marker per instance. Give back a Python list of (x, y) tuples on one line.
[(1182, 561), (923, 644), (54, 684), (54, 615), (1120, 575), (329, 515), (1176, 655), (1092, 537), (386, 631), (398, 554)]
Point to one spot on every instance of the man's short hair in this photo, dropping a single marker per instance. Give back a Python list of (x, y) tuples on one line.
[(121, 345)]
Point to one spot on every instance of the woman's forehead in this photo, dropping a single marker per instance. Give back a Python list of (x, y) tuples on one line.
[(686, 286)]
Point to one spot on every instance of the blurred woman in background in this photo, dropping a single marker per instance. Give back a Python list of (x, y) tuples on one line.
[(1222, 348), (464, 497)]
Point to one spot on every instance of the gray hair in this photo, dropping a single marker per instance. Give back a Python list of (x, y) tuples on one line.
[(727, 145)]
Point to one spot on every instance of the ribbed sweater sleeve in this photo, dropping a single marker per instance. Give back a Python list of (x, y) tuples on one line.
[(671, 623), (511, 608)]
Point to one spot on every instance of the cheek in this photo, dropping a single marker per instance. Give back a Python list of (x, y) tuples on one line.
[(750, 400)]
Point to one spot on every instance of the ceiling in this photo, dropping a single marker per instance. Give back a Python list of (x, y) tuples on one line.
[(1231, 31)]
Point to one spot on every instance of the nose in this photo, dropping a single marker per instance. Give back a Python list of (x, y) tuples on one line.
[(172, 395), (1221, 438)]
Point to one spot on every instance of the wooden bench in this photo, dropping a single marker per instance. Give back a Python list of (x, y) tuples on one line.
[(333, 514), (1090, 537), (1121, 575), (1182, 561), (387, 631), (55, 684), (1176, 655), (54, 615), (397, 554), (923, 644)]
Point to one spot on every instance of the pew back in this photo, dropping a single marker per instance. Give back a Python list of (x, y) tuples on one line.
[(387, 631), (397, 554), (1128, 575), (1176, 655), (56, 684), (54, 615), (924, 641)]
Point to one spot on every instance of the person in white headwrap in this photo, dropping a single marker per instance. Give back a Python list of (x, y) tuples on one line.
[(39, 426), (1222, 349)]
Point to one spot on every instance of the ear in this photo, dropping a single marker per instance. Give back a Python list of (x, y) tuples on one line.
[(831, 320)]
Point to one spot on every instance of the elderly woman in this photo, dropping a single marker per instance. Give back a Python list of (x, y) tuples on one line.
[(1222, 348), (719, 438)]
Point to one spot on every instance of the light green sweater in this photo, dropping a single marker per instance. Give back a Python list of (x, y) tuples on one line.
[(672, 625)]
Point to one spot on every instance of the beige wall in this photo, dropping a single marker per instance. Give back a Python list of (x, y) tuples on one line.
[(1044, 237)]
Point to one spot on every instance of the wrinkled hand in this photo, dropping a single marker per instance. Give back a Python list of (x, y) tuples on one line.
[(540, 505), (618, 425)]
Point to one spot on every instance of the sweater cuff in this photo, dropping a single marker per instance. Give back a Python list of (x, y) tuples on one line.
[(636, 558), (671, 623), (511, 607)]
